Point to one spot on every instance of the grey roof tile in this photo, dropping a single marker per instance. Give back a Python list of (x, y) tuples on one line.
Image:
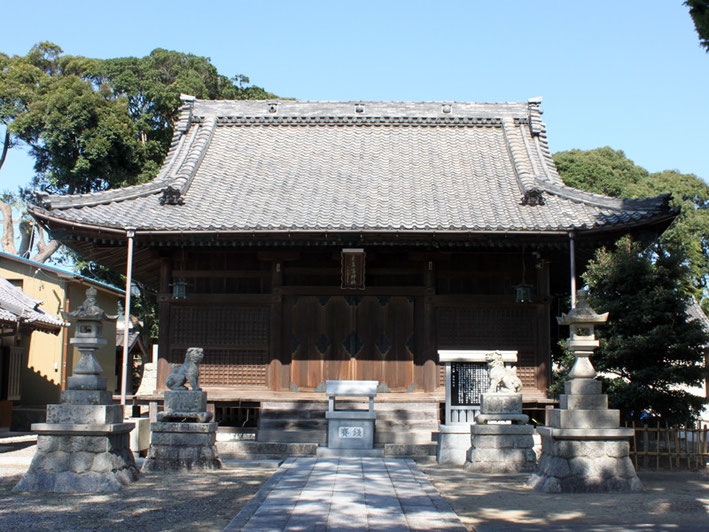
[(17, 307), (320, 166)]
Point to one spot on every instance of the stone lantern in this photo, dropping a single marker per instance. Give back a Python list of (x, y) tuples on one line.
[(584, 449), (84, 447), (88, 339), (582, 320)]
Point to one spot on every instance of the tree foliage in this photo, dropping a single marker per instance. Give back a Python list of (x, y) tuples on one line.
[(648, 349), (603, 170), (94, 124), (610, 172), (699, 11)]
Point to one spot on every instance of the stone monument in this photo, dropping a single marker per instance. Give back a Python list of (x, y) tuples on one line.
[(583, 447), (501, 440), (84, 446), (184, 437), (467, 379)]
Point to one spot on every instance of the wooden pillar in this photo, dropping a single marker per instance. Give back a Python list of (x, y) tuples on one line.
[(430, 368), (278, 376), (164, 297), (543, 356)]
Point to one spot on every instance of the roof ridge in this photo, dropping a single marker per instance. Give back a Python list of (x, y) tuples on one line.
[(660, 202)]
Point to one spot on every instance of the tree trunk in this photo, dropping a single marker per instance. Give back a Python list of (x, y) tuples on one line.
[(5, 146), (46, 249), (8, 231), (25, 239)]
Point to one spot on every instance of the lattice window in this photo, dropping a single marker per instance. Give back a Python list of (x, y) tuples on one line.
[(480, 328), (234, 339), (227, 367), (219, 326)]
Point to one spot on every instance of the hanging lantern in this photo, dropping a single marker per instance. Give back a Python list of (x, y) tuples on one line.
[(523, 293), (179, 289)]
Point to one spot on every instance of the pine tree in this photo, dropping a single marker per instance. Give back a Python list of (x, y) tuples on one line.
[(649, 350)]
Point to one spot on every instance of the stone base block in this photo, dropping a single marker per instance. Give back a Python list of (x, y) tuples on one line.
[(86, 382), (501, 449), (582, 387), (185, 401), (86, 397), (583, 419), (185, 405), (68, 463), (583, 402), (584, 466), (182, 447), (349, 431), (85, 414), (453, 444), (501, 403)]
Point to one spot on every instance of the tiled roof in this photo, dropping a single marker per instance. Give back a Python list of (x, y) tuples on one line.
[(247, 166), (133, 335), (18, 308)]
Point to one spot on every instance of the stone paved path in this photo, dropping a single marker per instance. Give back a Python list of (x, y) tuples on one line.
[(329, 494)]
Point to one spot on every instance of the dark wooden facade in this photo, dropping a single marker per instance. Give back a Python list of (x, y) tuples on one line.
[(281, 321)]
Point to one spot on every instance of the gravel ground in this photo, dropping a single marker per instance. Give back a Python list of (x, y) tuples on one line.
[(210, 500), (187, 501), (671, 500)]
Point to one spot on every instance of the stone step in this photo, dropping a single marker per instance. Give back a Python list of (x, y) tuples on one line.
[(294, 436), (304, 421), (410, 450), (404, 437), (240, 450), (236, 450), (292, 424)]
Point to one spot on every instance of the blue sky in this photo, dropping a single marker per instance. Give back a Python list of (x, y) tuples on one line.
[(629, 74)]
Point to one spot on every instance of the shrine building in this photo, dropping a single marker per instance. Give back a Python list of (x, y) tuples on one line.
[(298, 241)]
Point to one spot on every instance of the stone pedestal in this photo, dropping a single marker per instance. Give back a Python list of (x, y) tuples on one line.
[(453, 444), (350, 429), (82, 448), (501, 449), (179, 446), (185, 405), (183, 439), (583, 447), (501, 441)]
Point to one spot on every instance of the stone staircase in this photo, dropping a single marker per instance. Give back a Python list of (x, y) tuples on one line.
[(297, 428)]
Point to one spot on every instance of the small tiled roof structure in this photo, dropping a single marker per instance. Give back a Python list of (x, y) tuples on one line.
[(294, 166), (695, 312), (19, 309)]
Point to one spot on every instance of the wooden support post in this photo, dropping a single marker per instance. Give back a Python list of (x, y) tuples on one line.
[(278, 376), (164, 313)]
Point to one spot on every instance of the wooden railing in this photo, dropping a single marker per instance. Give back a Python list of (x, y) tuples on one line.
[(669, 447)]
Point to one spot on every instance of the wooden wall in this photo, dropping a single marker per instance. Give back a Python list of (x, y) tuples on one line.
[(279, 319)]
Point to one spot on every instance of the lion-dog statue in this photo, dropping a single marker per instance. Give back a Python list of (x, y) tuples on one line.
[(500, 375), (187, 373)]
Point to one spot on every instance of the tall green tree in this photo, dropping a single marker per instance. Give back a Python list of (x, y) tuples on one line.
[(93, 124), (649, 352), (699, 11)]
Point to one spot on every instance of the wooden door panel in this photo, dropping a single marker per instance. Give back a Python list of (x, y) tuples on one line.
[(353, 337)]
